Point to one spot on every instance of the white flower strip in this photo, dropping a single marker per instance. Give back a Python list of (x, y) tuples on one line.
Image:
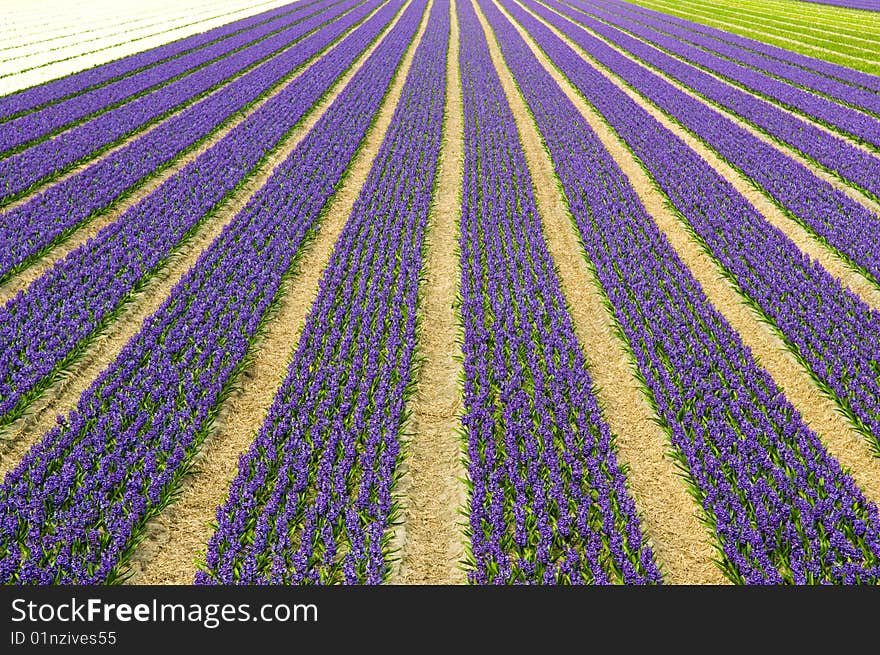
[(46, 40)]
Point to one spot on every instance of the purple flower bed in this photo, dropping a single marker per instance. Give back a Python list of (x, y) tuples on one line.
[(46, 325), (835, 334), (23, 170), (78, 502), (777, 54), (810, 80), (34, 226), (782, 508), (867, 5), (548, 501), (850, 163), (844, 119), (846, 225), (312, 502), (40, 124), (54, 90)]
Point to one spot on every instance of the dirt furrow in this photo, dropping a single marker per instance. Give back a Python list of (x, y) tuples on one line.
[(833, 262), (790, 20), (816, 30), (820, 413), (852, 141), (431, 490), (137, 134), (715, 22), (177, 537), (91, 227), (669, 514), (61, 397)]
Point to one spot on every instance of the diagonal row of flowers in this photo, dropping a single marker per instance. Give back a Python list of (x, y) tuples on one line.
[(835, 41), (840, 34), (59, 89), (34, 226), (78, 501), (848, 161), (829, 327), (868, 5), (23, 170), (37, 125), (846, 225), (855, 96), (44, 326), (548, 502), (841, 118), (781, 506), (312, 501), (828, 69)]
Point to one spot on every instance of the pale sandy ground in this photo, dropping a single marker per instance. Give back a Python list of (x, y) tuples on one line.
[(698, 15), (45, 40)]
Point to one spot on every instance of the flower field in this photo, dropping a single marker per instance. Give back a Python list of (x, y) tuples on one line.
[(441, 292)]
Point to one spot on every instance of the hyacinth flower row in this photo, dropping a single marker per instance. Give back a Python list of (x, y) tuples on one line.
[(38, 96), (29, 229), (831, 329), (841, 118), (815, 107), (77, 503), (782, 508), (833, 153), (832, 114), (843, 223), (834, 333), (312, 501), (44, 326), (810, 80), (828, 69), (23, 170), (796, 28), (838, 72), (869, 5), (38, 125), (548, 502)]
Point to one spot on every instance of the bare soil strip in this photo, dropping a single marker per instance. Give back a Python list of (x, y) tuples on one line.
[(142, 131), (830, 260), (670, 517), (431, 490), (852, 141), (60, 398), (788, 39), (22, 77), (816, 30), (91, 227), (790, 21), (821, 414), (177, 537), (835, 179)]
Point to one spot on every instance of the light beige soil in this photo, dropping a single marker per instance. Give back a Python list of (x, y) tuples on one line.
[(176, 539), (78, 168), (832, 178), (43, 19), (431, 490), (823, 30), (794, 114), (25, 278), (670, 516), (867, 290), (822, 415), (61, 397), (733, 28)]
